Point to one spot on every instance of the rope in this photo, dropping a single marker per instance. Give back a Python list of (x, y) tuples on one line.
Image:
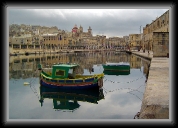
[(33, 88), (122, 82), (34, 91), (108, 91)]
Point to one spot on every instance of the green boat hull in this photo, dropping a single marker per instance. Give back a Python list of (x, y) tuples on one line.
[(117, 68), (114, 72)]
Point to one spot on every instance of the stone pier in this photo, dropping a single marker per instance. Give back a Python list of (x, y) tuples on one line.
[(155, 103)]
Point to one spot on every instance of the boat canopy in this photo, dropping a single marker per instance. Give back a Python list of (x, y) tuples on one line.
[(62, 70)]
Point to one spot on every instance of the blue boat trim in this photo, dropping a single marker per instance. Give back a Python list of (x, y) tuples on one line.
[(95, 85)]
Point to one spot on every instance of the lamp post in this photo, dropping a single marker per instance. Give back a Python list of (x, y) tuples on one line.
[(140, 28), (140, 38), (148, 46)]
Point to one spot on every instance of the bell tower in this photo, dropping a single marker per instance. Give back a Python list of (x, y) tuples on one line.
[(81, 29), (90, 30)]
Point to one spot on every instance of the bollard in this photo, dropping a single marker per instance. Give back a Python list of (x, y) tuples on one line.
[(167, 55), (39, 67)]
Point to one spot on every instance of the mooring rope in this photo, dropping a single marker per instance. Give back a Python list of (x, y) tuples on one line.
[(122, 82), (121, 89), (130, 90), (34, 91), (135, 95), (32, 86)]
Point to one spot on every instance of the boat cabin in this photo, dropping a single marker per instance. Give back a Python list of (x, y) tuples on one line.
[(64, 71)]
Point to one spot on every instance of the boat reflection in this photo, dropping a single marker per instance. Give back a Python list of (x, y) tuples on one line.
[(68, 99)]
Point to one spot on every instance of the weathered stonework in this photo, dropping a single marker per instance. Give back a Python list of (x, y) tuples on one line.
[(154, 112), (160, 24), (160, 44)]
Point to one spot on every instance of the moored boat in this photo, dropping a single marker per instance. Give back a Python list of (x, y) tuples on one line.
[(121, 66), (115, 72), (64, 76)]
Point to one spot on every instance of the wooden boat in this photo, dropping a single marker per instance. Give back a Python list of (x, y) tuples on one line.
[(115, 72), (64, 76), (121, 66), (68, 99)]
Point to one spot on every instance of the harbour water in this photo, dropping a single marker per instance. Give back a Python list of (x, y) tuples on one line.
[(120, 97)]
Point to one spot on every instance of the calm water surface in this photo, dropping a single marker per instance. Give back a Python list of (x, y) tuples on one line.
[(120, 97)]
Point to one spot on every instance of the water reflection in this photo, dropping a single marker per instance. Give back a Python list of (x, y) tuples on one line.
[(122, 93), (68, 99), (26, 66)]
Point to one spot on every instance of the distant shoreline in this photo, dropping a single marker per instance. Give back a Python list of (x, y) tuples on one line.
[(28, 52)]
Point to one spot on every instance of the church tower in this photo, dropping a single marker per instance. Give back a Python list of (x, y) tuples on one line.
[(75, 31), (81, 29), (90, 30)]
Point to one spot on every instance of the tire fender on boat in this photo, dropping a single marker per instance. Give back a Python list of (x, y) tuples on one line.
[(100, 82)]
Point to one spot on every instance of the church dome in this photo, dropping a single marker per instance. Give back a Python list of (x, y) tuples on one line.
[(75, 28)]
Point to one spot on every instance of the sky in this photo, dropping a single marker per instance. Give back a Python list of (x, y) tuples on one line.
[(108, 22)]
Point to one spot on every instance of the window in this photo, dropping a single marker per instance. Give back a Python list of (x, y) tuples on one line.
[(163, 42), (70, 71), (60, 72)]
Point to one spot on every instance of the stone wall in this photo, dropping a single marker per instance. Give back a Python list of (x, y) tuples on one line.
[(160, 44)]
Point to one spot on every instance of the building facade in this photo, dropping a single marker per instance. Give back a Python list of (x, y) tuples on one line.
[(160, 24), (135, 41), (160, 44)]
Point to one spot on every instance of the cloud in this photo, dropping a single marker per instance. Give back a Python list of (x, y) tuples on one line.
[(110, 22)]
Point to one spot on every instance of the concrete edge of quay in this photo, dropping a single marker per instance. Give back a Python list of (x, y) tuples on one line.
[(155, 103)]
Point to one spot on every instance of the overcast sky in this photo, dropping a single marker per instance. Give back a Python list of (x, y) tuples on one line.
[(109, 22)]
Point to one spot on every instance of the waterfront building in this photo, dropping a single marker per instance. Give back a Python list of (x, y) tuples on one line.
[(55, 40), (21, 40), (101, 41), (160, 43), (126, 41), (135, 41), (94, 42), (52, 38), (160, 24), (114, 41)]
